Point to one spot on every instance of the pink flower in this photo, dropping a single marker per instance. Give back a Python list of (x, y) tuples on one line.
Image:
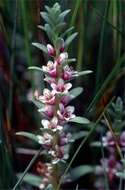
[(46, 139), (111, 165), (65, 99), (51, 50), (53, 124), (50, 68), (57, 154), (68, 73), (47, 111), (122, 139), (61, 87), (65, 139), (48, 97), (62, 58), (108, 140), (65, 114)]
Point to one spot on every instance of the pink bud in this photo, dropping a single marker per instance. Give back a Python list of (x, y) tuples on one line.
[(51, 50), (62, 49)]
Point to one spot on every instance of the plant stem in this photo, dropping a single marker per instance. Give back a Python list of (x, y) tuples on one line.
[(111, 130), (27, 168)]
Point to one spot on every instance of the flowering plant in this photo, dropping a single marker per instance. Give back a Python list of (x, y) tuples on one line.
[(54, 101)]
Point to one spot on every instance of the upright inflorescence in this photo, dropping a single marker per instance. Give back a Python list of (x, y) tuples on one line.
[(56, 113), (54, 100)]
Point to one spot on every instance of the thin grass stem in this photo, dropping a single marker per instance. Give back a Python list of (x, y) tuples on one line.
[(27, 168)]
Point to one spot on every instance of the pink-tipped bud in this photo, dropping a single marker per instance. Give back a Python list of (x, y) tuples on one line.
[(62, 58), (62, 49), (51, 50), (36, 94)]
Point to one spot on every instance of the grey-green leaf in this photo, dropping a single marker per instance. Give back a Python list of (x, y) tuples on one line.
[(27, 135), (35, 68), (81, 171), (121, 175), (84, 73), (63, 14), (80, 120), (31, 179), (75, 92), (70, 39), (79, 135), (41, 47)]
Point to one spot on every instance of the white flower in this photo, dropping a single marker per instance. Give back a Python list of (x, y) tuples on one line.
[(65, 114), (53, 124), (61, 87), (51, 68), (62, 57), (45, 139), (51, 50), (48, 97)]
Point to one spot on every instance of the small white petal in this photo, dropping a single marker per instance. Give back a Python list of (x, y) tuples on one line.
[(44, 68), (68, 86), (45, 123), (55, 120), (61, 81), (70, 109), (53, 85)]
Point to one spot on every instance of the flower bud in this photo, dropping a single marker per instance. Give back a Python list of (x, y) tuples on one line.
[(51, 50)]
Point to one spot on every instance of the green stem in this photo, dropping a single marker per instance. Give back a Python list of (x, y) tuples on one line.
[(27, 169), (99, 61)]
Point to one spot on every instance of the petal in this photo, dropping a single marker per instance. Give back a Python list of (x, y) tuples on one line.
[(59, 127), (68, 86), (44, 68), (46, 91), (53, 85), (40, 139), (70, 109), (55, 120), (60, 81), (60, 115), (61, 107), (45, 123)]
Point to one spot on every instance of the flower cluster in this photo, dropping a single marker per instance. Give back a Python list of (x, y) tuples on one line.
[(55, 110), (111, 164)]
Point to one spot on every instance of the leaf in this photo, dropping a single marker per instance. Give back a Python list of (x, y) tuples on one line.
[(63, 14), (35, 68), (59, 43), (45, 16), (67, 31), (51, 34), (81, 171), (71, 60), (49, 187), (37, 103), (96, 144), (41, 47), (75, 92), (79, 135), (84, 73), (58, 28), (31, 179), (120, 174), (27, 135), (41, 27), (81, 120), (70, 39)]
